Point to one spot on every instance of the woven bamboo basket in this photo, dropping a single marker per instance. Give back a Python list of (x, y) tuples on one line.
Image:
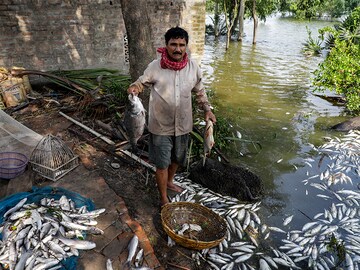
[(213, 227)]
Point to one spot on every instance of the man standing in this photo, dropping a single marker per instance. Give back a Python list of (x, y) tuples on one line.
[(172, 79)]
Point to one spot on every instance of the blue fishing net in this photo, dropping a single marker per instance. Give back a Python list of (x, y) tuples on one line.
[(35, 196)]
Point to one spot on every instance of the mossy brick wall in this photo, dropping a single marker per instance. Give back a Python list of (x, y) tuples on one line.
[(77, 34)]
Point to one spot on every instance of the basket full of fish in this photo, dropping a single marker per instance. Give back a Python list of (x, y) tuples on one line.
[(45, 229), (192, 225)]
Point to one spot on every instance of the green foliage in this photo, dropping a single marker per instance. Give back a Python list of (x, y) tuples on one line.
[(210, 5), (305, 9), (340, 72), (264, 8), (352, 22), (312, 46), (223, 132), (308, 9), (332, 8), (351, 5), (336, 247)]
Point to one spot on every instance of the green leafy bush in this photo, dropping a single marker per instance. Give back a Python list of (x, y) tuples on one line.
[(340, 71)]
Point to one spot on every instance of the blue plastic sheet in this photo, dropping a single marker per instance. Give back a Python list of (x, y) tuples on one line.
[(49, 192)]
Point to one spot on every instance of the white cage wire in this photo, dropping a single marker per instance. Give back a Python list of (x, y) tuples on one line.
[(52, 158)]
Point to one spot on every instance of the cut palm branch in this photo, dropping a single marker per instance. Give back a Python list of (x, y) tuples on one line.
[(64, 81), (85, 81)]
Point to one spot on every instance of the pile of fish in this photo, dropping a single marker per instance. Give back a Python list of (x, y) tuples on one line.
[(41, 235), (331, 240)]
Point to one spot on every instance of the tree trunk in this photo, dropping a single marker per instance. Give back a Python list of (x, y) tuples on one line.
[(216, 20), (227, 27), (241, 20), (236, 20), (229, 21), (256, 21), (141, 49), (137, 24)]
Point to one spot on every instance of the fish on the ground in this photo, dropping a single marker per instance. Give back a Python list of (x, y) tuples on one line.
[(132, 246), (134, 120), (208, 139), (109, 265), (139, 258)]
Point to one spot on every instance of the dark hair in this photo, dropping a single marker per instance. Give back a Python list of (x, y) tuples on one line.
[(176, 32)]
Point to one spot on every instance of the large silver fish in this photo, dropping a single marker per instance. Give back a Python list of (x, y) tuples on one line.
[(134, 120)]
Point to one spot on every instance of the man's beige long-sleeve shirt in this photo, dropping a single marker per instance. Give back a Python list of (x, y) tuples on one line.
[(170, 108)]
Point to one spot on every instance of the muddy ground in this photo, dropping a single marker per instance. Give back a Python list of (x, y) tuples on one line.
[(131, 181)]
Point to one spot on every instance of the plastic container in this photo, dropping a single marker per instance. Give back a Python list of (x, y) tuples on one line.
[(12, 164)]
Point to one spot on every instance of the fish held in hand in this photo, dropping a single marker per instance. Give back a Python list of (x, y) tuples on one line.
[(134, 120), (208, 139)]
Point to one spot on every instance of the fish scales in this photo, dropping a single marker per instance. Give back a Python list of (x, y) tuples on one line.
[(288, 220), (132, 246), (134, 120), (263, 265), (16, 207), (243, 258)]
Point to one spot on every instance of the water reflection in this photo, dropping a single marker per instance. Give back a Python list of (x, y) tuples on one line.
[(266, 90)]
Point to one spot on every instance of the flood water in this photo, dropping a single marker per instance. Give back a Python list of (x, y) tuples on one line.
[(265, 90)]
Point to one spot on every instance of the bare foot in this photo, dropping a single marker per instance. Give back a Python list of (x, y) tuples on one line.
[(174, 187)]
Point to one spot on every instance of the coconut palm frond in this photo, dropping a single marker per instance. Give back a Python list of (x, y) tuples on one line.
[(329, 41), (312, 46)]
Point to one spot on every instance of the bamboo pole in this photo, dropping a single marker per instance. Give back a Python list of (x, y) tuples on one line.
[(97, 134), (107, 140), (136, 158)]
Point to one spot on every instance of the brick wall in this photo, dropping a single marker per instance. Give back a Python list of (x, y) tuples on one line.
[(193, 19), (76, 34)]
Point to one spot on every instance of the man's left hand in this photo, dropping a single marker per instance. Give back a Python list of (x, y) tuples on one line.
[(210, 116)]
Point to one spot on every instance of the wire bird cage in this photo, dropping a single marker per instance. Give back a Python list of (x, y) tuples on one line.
[(52, 158)]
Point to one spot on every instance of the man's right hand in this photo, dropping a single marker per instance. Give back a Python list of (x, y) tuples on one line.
[(133, 89)]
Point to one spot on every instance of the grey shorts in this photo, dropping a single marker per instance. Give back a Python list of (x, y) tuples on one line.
[(166, 149)]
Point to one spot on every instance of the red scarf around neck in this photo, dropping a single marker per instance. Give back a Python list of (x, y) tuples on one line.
[(165, 62)]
